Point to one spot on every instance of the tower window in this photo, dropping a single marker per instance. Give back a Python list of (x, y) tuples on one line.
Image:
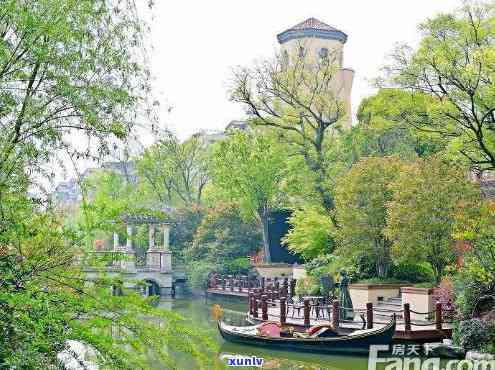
[(323, 53), (285, 56), (302, 52)]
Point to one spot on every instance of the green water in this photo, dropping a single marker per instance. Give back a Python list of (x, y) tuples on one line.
[(199, 313)]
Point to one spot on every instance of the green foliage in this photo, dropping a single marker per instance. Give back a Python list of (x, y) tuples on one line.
[(71, 73), (296, 97), (45, 300), (421, 216), (186, 221), (383, 131), (476, 226), (67, 68), (454, 66), (237, 266), (198, 273), (223, 235), (361, 197), (308, 286), (413, 272), (248, 168), (474, 334), (175, 172), (311, 233)]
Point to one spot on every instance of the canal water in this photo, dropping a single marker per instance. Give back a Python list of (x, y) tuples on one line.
[(199, 312)]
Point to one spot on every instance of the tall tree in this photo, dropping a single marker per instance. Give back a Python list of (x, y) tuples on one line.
[(361, 197), (382, 129), (301, 100), (454, 67), (427, 195), (176, 171), (68, 71), (248, 169), (311, 234)]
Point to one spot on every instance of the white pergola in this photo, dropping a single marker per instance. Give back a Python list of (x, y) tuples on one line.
[(158, 256)]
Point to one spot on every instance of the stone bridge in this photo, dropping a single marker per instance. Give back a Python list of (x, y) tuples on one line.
[(157, 273)]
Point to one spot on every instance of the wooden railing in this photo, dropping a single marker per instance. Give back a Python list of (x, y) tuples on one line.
[(275, 287), (330, 310)]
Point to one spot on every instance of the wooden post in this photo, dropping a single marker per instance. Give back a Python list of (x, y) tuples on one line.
[(264, 308), (231, 282), (283, 311), (369, 315), (224, 282), (255, 305), (262, 284), (438, 315), (407, 317), (277, 289), (335, 314), (285, 287), (293, 287), (251, 310), (307, 310)]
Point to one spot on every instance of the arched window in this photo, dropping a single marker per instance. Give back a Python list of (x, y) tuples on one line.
[(302, 52), (323, 53), (285, 56)]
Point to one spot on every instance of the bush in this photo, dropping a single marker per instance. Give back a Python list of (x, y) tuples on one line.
[(474, 334), (307, 286), (413, 272), (311, 233), (198, 273), (469, 287), (238, 266)]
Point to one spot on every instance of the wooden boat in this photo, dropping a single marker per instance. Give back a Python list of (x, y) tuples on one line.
[(330, 341)]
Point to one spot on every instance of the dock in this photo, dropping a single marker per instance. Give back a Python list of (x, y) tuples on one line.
[(274, 301)]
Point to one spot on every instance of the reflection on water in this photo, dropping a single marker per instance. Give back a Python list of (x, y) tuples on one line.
[(199, 313)]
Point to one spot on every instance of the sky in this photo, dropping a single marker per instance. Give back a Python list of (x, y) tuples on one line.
[(197, 43)]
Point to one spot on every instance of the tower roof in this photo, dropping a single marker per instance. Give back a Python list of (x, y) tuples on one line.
[(312, 27)]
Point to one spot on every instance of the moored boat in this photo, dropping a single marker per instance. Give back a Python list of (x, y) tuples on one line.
[(320, 340)]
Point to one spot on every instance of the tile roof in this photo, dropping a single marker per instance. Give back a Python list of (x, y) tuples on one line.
[(314, 24), (312, 27)]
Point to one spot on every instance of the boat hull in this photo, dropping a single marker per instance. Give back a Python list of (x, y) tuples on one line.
[(358, 344)]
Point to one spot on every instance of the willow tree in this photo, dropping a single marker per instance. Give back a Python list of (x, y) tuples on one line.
[(248, 169), (301, 99), (454, 66), (71, 78)]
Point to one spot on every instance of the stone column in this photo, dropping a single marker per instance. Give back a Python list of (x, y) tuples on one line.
[(151, 236), (115, 241), (166, 237), (129, 263), (129, 237)]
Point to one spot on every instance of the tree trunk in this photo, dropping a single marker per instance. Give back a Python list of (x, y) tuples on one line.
[(438, 272), (264, 216)]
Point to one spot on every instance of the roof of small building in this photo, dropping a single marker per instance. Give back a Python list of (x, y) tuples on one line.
[(312, 27)]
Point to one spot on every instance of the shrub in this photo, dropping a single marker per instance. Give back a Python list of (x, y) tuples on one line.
[(198, 272), (474, 334), (238, 266), (311, 233), (307, 286), (413, 272)]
